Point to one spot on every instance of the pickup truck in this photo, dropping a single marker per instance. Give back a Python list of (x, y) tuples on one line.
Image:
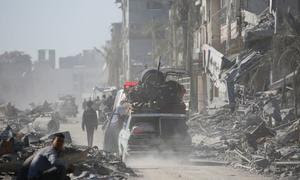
[(154, 133)]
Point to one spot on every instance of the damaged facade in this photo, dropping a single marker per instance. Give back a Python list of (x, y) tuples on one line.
[(143, 30), (218, 40), (15, 69), (250, 90), (237, 44), (225, 46)]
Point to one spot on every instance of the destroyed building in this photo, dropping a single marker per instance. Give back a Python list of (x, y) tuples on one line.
[(230, 45), (112, 52), (15, 68), (250, 71), (241, 57), (143, 28), (211, 41)]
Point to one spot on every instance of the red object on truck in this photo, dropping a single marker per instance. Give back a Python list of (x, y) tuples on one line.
[(129, 84)]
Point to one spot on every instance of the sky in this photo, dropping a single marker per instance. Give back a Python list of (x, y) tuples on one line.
[(68, 26)]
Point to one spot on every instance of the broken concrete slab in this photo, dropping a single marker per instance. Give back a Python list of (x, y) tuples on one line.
[(46, 124)]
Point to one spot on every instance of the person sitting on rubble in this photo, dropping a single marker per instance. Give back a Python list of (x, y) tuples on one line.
[(47, 162)]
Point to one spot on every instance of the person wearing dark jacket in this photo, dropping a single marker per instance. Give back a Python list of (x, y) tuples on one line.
[(47, 163), (89, 122), (84, 104)]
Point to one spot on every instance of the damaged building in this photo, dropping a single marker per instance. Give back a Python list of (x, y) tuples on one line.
[(239, 46), (248, 56), (142, 29), (15, 69), (224, 46), (218, 41)]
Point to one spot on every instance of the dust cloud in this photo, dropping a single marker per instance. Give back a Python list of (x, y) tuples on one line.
[(156, 161)]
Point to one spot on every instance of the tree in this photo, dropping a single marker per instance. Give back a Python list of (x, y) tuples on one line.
[(108, 51)]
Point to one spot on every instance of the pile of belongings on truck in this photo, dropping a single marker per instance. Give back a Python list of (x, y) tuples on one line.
[(154, 93), (90, 163), (259, 136)]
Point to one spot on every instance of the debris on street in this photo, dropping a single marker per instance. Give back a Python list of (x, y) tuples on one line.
[(90, 163), (248, 139), (203, 82), (102, 165), (30, 131)]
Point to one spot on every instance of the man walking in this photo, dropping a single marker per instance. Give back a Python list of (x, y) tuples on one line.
[(84, 104), (89, 122)]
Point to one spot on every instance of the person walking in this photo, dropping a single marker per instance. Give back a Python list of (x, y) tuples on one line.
[(84, 104), (97, 103), (89, 122)]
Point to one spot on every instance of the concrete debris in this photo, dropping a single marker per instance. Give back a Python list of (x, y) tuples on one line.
[(90, 163), (258, 34), (46, 124), (19, 140), (42, 119), (250, 140), (102, 165)]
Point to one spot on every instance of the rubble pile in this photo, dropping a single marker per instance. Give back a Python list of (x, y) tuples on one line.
[(41, 119), (15, 149), (24, 133), (258, 136), (102, 165), (89, 163)]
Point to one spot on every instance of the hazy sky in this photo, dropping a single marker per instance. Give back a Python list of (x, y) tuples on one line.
[(65, 25)]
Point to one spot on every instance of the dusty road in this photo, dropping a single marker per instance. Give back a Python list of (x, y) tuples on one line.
[(197, 173), (150, 169), (79, 137)]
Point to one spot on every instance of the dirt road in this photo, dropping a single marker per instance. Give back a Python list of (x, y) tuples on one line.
[(196, 173), (79, 137), (151, 169)]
